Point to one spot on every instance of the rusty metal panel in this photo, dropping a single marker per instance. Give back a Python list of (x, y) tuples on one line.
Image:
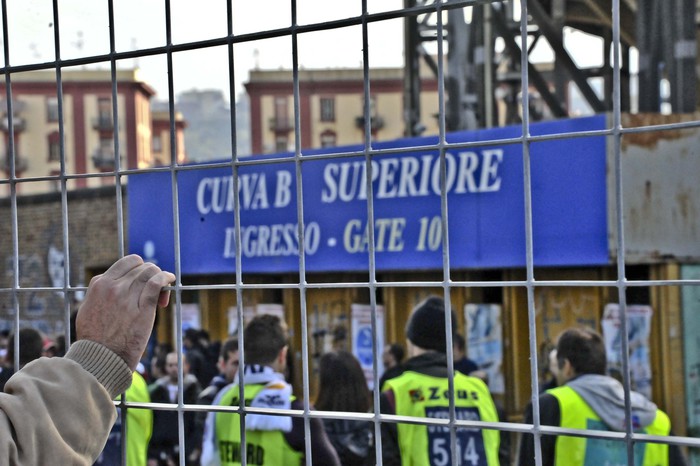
[(661, 193)]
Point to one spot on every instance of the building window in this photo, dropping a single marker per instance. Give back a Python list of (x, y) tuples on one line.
[(328, 139), (51, 109), (157, 144), (55, 147), (103, 157), (281, 113), (104, 112), (327, 109), (281, 143)]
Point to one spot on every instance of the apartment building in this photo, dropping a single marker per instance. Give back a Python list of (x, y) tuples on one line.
[(161, 145), (331, 107), (89, 130)]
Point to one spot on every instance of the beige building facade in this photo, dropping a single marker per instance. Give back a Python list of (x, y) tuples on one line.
[(84, 116), (331, 107)]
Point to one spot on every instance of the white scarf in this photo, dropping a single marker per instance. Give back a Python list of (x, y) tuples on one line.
[(277, 394)]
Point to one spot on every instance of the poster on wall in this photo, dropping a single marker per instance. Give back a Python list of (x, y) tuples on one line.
[(362, 340), (485, 342), (638, 329), (190, 316), (251, 311), (272, 309), (690, 296)]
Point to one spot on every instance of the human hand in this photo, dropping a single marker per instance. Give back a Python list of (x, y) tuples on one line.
[(120, 307)]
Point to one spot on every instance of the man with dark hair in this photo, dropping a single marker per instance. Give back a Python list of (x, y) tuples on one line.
[(228, 367), (31, 345), (584, 350), (196, 344), (422, 391), (164, 446), (587, 398), (392, 357), (270, 439)]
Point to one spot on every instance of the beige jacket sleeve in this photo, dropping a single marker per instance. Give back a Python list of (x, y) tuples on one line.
[(60, 410)]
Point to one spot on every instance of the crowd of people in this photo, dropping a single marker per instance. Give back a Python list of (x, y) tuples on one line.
[(341, 429), (415, 383)]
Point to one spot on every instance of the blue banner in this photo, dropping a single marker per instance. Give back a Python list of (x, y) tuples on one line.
[(485, 205)]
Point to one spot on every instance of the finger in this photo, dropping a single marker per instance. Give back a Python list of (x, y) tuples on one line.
[(163, 298), (123, 266), (139, 277), (153, 293)]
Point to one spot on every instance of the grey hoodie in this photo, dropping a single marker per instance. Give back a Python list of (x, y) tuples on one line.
[(606, 397)]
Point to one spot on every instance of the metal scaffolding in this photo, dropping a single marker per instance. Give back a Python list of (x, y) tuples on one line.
[(475, 69)]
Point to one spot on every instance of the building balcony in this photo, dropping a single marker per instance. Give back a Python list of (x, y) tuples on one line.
[(376, 122), (18, 124), (18, 106), (103, 123), (280, 125), (103, 159), (21, 164)]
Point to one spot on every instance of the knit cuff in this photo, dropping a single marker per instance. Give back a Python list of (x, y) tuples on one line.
[(108, 368)]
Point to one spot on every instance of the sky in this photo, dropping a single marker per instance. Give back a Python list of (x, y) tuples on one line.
[(141, 24)]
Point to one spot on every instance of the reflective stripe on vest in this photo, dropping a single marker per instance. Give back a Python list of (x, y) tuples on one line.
[(262, 447), (581, 451), (424, 396)]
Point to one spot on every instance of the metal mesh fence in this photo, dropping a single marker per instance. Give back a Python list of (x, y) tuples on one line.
[(634, 267)]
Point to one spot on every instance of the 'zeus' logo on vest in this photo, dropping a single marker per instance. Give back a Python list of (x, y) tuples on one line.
[(435, 393)]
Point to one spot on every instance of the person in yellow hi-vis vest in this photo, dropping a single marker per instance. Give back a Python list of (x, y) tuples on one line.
[(422, 391), (139, 423), (587, 398), (139, 426), (270, 440)]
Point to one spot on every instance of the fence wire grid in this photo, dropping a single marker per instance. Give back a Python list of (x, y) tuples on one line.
[(368, 19)]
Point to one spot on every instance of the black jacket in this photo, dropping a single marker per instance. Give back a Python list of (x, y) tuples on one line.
[(206, 397), (165, 439), (353, 441)]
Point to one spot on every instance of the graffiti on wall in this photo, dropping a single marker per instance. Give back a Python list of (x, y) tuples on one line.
[(40, 309), (55, 263), (558, 308), (30, 274)]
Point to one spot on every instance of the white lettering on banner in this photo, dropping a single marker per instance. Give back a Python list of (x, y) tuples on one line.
[(215, 195), (387, 237), (275, 240), (282, 193), (467, 172)]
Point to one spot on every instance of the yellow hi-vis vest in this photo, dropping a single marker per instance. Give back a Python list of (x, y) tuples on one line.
[(581, 451), (263, 447), (139, 423), (425, 396)]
